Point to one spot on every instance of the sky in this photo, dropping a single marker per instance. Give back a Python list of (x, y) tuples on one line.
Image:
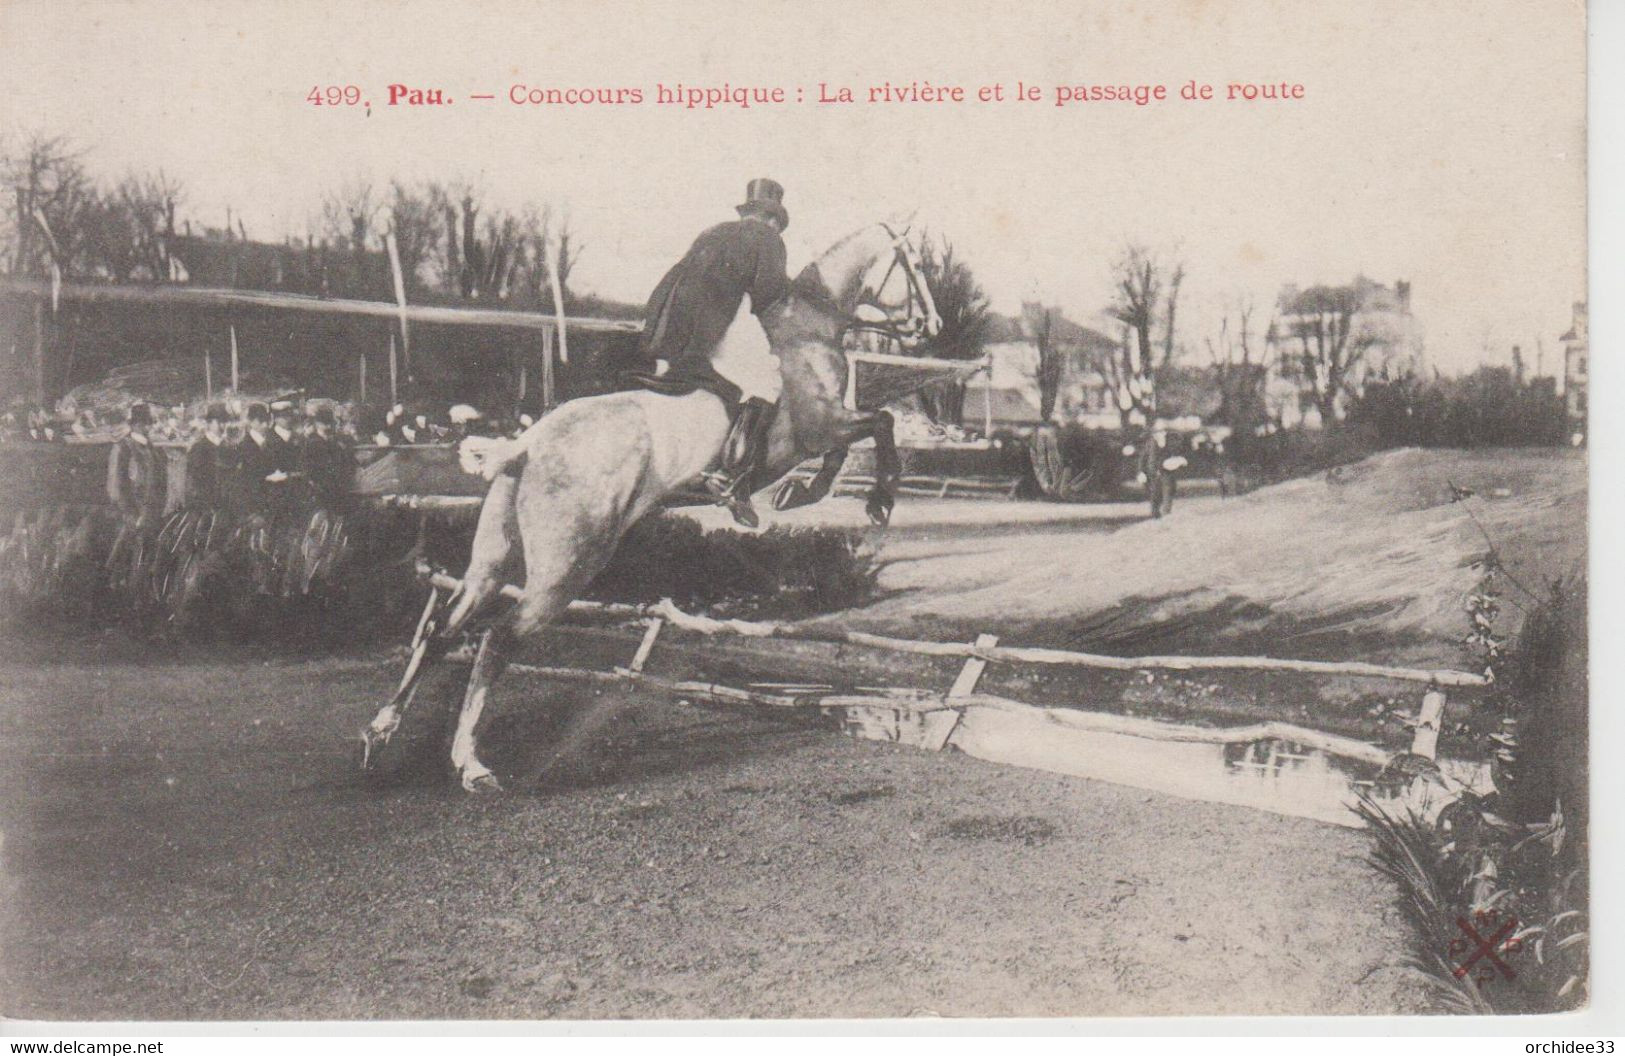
[(1441, 143)]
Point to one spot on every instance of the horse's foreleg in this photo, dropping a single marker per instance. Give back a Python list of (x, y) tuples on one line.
[(437, 627), (793, 493)]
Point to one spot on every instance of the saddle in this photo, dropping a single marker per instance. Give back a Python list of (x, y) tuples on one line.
[(683, 384)]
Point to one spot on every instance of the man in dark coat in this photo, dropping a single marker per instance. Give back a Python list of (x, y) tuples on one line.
[(208, 461), (136, 470), (262, 465), (136, 483), (326, 462), (692, 308)]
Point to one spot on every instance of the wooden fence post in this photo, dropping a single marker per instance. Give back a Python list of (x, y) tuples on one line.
[(647, 645), (971, 673), (1428, 722)]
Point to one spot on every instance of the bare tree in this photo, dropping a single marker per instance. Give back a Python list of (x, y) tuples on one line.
[(481, 259), (348, 216), (566, 255), (1172, 302), (414, 221), (1039, 322), (52, 199), (1332, 345), (1240, 369), (1147, 290), (147, 204), (541, 254)]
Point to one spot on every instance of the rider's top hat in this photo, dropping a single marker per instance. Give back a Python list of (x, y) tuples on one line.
[(139, 414), (765, 196)]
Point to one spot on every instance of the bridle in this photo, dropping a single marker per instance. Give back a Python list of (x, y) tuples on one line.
[(919, 308)]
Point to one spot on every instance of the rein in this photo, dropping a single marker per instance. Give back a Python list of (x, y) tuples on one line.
[(811, 287), (890, 328)]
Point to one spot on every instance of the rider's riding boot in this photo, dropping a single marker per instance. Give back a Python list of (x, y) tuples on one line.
[(742, 455)]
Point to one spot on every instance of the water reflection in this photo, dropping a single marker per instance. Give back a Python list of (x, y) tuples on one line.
[(1275, 775)]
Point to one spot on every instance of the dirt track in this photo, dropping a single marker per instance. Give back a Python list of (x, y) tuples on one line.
[(186, 839)]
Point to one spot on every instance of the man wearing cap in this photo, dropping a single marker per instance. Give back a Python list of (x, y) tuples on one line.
[(187, 553), (284, 417), (135, 469), (692, 309), (263, 463), (262, 492)]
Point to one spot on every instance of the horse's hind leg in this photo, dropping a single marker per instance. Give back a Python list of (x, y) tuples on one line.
[(535, 611), (488, 666), (494, 541), (438, 628), (425, 642)]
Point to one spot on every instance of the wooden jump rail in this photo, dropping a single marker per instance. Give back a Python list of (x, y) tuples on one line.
[(668, 611), (999, 729), (925, 703)]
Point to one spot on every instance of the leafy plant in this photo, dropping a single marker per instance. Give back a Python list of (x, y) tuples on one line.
[(1496, 889)]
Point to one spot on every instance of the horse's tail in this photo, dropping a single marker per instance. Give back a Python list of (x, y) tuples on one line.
[(490, 457)]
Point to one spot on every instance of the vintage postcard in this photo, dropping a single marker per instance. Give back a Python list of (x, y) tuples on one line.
[(558, 511)]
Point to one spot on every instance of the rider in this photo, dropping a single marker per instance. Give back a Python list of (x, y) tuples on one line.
[(691, 310)]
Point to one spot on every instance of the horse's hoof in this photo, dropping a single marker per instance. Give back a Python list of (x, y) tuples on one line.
[(485, 784), (373, 740), (791, 494), (879, 512)]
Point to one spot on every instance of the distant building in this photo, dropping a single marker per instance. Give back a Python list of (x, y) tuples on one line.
[(1010, 409), (1576, 369), (1380, 325), (1007, 396), (1011, 393)]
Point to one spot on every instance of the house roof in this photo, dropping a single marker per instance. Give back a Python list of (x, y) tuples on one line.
[(1009, 405), (193, 296), (1007, 329)]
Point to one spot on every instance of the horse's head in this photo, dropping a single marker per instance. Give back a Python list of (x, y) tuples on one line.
[(916, 312), (876, 277)]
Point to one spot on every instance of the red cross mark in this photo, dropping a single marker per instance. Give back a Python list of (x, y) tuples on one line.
[(1485, 948)]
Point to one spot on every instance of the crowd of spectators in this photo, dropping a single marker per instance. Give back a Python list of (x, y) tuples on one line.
[(403, 424), (256, 503)]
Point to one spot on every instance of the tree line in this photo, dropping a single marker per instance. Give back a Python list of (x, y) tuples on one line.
[(62, 222)]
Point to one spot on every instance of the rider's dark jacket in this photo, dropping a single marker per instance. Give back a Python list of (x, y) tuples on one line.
[(695, 303)]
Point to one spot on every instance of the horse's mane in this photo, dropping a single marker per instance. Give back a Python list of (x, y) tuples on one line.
[(810, 285), (809, 288), (813, 283)]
